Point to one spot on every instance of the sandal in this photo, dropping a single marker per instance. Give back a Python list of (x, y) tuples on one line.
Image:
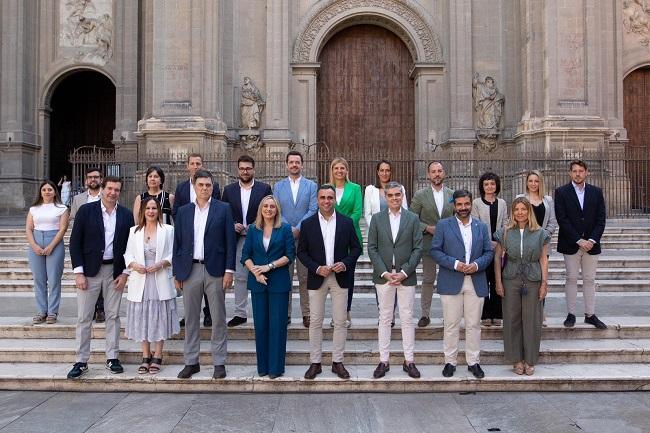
[(530, 370), (154, 368), (144, 367), (51, 319), (518, 368), (39, 318)]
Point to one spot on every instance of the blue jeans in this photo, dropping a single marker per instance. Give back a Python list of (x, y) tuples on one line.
[(47, 270)]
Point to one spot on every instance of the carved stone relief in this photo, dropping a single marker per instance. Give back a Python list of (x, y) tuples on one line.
[(636, 19), (252, 104), (86, 30), (489, 105), (330, 10)]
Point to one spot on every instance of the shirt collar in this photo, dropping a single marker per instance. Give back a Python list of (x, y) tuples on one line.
[(460, 223), (322, 218), (577, 188), (101, 203), (207, 205), (251, 187), (442, 189), (295, 181), (395, 215)]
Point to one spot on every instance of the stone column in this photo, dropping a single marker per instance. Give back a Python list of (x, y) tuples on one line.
[(431, 113), (303, 102), (185, 75), (20, 153)]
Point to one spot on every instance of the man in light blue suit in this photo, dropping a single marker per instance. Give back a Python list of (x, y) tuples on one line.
[(297, 198), (462, 247)]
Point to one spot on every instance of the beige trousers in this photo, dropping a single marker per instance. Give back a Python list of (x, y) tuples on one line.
[(405, 298), (574, 263), (339, 315), (429, 269), (301, 270)]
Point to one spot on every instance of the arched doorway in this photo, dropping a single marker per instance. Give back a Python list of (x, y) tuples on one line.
[(366, 102), (636, 119), (83, 114)]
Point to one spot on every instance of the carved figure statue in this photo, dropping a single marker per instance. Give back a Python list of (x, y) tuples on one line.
[(104, 37), (636, 19), (488, 102), (81, 25), (252, 105)]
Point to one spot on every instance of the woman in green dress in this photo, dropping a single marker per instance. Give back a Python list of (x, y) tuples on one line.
[(349, 202), (522, 246)]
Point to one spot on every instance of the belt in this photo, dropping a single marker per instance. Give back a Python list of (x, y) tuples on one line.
[(107, 262), (201, 262)]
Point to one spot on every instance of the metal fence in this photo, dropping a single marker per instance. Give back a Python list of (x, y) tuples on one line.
[(624, 175)]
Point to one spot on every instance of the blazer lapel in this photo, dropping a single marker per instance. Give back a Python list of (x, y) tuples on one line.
[(448, 194), (274, 234), (456, 230), (574, 196), (237, 201), (100, 217), (160, 242), (189, 226), (477, 241), (402, 223)]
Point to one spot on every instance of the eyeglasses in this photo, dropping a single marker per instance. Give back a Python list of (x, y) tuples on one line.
[(246, 168), (93, 177)]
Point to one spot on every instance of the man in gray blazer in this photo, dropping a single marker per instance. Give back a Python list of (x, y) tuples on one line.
[(463, 248), (395, 248), (431, 204)]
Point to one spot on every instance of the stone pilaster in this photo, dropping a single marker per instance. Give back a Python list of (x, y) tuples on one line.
[(431, 114)]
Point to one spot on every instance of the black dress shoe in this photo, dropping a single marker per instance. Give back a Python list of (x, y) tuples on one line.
[(339, 370), (182, 322), (381, 370), (188, 371), (313, 370), (271, 376), (449, 370), (306, 321), (288, 320), (424, 321), (570, 321), (78, 370), (411, 369), (476, 371), (220, 372), (207, 321), (235, 321), (593, 320), (100, 317)]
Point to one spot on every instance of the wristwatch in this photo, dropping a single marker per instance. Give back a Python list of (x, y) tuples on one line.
[(271, 266)]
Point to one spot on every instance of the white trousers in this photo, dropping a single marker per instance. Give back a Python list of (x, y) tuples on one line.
[(241, 282), (575, 263), (465, 305), (339, 314), (405, 299)]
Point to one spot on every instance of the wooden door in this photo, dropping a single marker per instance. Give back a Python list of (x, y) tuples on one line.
[(366, 102), (636, 119)]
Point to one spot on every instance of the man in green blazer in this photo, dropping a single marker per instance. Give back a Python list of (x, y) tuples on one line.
[(431, 204), (395, 247)]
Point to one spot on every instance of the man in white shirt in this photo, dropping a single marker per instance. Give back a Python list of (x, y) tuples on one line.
[(462, 247), (329, 248), (431, 204)]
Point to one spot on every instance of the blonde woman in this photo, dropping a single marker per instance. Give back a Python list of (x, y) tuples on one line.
[(523, 284), (267, 253), (543, 206), (349, 202), (151, 315)]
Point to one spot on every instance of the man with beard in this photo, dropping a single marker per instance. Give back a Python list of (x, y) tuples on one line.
[(91, 194), (244, 197), (430, 204), (462, 247)]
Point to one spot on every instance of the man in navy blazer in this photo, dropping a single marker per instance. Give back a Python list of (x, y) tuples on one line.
[(244, 197), (462, 247), (203, 263), (580, 212), (97, 245), (329, 248), (185, 194), (297, 198)]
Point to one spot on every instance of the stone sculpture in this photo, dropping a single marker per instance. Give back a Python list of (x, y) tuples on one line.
[(636, 19), (489, 104), (87, 26), (252, 105)]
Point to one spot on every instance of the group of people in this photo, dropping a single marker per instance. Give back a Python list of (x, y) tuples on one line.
[(489, 265)]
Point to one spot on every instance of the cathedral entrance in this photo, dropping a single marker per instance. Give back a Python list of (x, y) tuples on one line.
[(365, 103), (636, 119), (83, 114)]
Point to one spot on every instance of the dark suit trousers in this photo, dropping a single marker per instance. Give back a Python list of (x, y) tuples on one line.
[(270, 318), (492, 306)]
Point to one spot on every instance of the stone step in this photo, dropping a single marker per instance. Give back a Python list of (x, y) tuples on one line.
[(366, 286), (51, 376), (243, 378), (356, 352), (627, 327)]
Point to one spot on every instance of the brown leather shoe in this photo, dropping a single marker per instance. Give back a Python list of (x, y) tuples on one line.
[(314, 369), (381, 370), (306, 321), (339, 370), (411, 369)]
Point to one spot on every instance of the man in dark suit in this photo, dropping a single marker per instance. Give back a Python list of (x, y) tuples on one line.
[(244, 197), (185, 194), (462, 247), (203, 264), (97, 247), (580, 212), (395, 249), (329, 248)]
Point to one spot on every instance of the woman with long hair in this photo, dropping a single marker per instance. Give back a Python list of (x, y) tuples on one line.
[(47, 222), (154, 181), (542, 204), (151, 315), (267, 253), (523, 283), (349, 202)]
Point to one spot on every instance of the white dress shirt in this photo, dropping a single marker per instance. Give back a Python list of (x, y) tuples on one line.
[(394, 219), (192, 192), (439, 198), (200, 221), (245, 196), (110, 220), (328, 230), (466, 233), (295, 185), (580, 192), (94, 198)]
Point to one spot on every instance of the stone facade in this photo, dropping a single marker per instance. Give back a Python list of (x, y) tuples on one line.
[(178, 67)]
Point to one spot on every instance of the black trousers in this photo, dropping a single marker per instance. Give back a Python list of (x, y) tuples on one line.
[(492, 305)]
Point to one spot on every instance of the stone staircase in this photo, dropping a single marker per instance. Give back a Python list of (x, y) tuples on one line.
[(578, 359)]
